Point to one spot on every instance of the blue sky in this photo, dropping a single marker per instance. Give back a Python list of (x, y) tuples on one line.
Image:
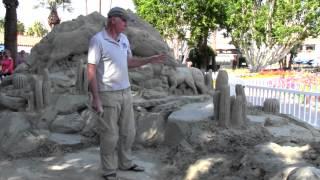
[(28, 15)]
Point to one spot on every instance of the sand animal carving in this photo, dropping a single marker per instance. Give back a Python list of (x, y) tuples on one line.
[(199, 80), (192, 77)]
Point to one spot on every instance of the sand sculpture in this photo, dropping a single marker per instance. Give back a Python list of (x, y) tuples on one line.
[(61, 57), (56, 71), (44, 110), (271, 105), (229, 111)]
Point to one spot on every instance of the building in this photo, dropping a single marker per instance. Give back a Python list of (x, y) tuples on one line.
[(308, 52), (226, 51), (24, 42)]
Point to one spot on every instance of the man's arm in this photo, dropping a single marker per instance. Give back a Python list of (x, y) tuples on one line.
[(93, 87), (137, 62)]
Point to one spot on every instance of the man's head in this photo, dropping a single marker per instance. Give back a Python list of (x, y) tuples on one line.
[(118, 12), (117, 19)]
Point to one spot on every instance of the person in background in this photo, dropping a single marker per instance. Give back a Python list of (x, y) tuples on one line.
[(1, 58), (1, 55), (21, 57), (188, 62), (7, 64), (109, 57)]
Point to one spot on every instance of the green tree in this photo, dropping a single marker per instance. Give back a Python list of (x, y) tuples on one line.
[(176, 18), (37, 29), (10, 26), (53, 5), (20, 27), (266, 31), (194, 55), (1, 25)]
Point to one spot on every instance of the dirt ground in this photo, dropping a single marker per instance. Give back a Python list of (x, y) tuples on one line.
[(254, 153), (76, 165)]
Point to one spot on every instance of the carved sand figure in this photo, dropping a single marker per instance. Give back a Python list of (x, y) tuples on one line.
[(191, 76), (229, 111), (48, 131)]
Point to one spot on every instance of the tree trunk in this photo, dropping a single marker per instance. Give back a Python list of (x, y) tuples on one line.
[(203, 51), (10, 26), (259, 57)]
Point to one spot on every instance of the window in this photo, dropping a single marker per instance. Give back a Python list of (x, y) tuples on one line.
[(310, 47)]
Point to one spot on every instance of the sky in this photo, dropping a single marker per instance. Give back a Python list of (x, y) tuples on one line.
[(28, 15)]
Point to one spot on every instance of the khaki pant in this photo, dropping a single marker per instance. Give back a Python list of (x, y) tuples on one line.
[(117, 130)]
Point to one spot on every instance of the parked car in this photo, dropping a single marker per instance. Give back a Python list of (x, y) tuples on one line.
[(225, 59), (307, 59)]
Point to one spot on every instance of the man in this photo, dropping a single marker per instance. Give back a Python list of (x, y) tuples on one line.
[(109, 57)]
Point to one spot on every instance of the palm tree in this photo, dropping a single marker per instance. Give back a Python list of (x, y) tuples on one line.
[(10, 26), (53, 6), (37, 30)]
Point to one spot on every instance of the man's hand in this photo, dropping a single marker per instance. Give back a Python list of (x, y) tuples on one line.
[(157, 59), (95, 101), (97, 105)]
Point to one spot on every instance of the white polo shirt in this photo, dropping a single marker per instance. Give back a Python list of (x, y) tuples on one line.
[(111, 59)]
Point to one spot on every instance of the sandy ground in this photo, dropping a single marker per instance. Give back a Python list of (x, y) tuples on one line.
[(82, 164), (263, 150)]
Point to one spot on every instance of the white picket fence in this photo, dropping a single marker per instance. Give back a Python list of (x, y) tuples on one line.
[(303, 105)]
